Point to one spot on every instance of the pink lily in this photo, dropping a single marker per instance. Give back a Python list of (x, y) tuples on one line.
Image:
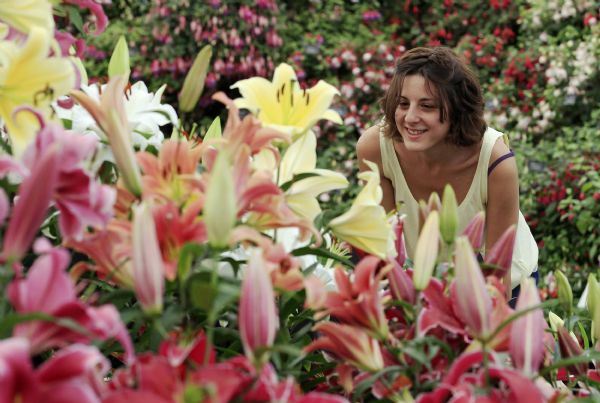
[(176, 227), (111, 116), (148, 268), (348, 343), (526, 348), (360, 302), (316, 293), (171, 176), (470, 298), (110, 249), (258, 320), (73, 374), (438, 312), (48, 289), (500, 254), (460, 381), (80, 199), (34, 197)]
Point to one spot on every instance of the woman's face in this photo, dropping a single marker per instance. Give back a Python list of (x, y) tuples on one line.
[(418, 116)]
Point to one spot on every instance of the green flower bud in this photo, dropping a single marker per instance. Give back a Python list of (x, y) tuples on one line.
[(194, 81), (565, 294), (449, 215), (119, 60)]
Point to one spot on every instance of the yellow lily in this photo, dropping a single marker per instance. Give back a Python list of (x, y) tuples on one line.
[(365, 224), (282, 105), (24, 82), (25, 14), (301, 157)]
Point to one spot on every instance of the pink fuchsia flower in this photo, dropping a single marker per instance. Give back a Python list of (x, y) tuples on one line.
[(470, 298), (526, 346), (348, 343), (48, 289), (257, 317), (148, 267)]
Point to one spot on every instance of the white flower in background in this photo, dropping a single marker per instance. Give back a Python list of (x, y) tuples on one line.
[(145, 114)]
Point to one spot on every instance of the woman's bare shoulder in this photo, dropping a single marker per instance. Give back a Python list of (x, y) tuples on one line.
[(368, 146)]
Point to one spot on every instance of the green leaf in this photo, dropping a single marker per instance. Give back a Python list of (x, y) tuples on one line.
[(586, 357), (361, 389), (583, 221), (75, 18), (8, 322), (186, 256), (307, 250), (202, 290), (296, 178)]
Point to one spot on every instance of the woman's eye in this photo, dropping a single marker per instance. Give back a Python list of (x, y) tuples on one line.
[(428, 106)]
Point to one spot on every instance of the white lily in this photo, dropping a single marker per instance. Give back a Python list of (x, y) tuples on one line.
[(145, 114)]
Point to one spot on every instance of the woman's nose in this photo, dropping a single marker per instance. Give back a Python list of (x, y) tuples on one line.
[(411, 114)]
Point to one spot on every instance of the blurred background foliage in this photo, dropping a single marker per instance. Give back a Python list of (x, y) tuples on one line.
[(537, 61)]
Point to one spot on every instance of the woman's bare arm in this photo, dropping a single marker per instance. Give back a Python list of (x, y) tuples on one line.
[(503, 199), (368, 148)]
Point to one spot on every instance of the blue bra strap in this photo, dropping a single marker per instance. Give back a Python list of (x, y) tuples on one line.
[(499, 160)]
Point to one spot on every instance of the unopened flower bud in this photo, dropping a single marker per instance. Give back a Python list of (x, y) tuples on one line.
[(449, 215)]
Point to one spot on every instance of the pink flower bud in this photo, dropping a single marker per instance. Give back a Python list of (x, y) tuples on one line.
[(401, 284), (475, 230), (470, 298), (258, 320), (527, 332), (501, 253)]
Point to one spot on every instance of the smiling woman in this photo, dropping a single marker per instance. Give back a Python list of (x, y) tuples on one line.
[(433, 133)]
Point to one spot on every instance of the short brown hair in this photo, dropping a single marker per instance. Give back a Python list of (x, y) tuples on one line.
[(458, 88)]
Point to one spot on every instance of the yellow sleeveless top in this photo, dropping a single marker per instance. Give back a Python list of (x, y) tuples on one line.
[(525, 254)]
